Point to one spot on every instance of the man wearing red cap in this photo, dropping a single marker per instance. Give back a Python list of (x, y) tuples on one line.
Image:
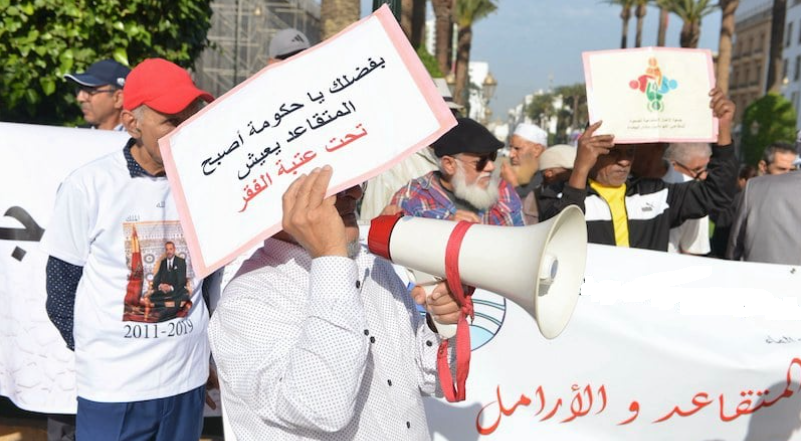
[(140, 368)]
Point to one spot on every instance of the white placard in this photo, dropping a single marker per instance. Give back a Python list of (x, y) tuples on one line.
[(360, 102), (651, 94)]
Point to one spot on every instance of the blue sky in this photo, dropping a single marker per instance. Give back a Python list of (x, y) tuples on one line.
[(525, 41)]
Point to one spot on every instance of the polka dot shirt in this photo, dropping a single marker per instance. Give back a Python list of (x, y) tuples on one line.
[(323, 349)]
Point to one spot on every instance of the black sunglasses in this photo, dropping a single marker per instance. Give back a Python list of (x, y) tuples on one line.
[(482, 161)]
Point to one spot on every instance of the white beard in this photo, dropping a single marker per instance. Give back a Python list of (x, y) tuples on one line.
[(481, 198)]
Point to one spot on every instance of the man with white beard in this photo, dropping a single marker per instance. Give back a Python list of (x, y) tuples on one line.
[(467, 185)]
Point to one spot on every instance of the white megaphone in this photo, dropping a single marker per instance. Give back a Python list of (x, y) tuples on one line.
[(539, 267)]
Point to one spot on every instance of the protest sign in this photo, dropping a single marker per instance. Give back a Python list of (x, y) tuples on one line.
[(651, 94), (360, 102)]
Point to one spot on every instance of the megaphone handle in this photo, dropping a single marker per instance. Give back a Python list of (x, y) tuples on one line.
[(443, 329), (429, 282)]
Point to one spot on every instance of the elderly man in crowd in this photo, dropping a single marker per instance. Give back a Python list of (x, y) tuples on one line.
[(778, 158), (525, 147), (689, 162), (464, 187), (639, 213), (379, 190), (767, 217), (555, 167), (136, 379), (321, 340), (100, 95)]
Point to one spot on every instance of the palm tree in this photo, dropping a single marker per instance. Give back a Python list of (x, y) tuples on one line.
[(413, 16), (574, 96), (336, 15), (467, 13), (663, 24), (625, 15), (642, 8), (443, 13), (774, 83), (724, 47), (691, 13)]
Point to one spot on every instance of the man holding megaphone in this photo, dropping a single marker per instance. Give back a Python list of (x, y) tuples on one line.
[(321, 340)]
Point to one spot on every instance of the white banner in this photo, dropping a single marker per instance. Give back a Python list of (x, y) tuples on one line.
[(661, 346), (37, 371), (360, 102)]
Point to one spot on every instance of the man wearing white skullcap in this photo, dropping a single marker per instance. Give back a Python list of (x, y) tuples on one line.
[(527, 143), (556, 163)]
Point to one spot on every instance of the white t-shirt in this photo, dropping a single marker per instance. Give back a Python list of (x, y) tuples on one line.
[(132, 342), (692, 236)]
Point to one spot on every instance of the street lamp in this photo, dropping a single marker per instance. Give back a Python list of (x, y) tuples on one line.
[(489, 86), (488, 89)]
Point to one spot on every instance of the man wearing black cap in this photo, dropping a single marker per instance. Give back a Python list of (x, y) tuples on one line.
[(464, 187), (99, 92)]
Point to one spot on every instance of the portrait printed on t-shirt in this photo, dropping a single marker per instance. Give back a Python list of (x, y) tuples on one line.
[(160, 273)]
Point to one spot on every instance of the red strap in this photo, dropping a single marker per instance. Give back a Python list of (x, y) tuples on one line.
[(456, 392)]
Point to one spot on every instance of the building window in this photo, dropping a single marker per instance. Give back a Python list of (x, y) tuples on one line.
[(789, 37), (747, 76), (784, 69), (797, 72), (761, 46), (757, 73)]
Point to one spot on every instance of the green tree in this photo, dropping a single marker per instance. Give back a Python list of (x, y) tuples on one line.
[(691, 12), (429, 62), (42, 40), (575, 101), (541, 107), (467, 13), (766, 120)]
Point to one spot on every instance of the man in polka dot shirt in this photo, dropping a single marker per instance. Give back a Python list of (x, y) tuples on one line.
[(320, 340)]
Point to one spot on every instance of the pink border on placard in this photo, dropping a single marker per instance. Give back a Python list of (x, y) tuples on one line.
[(585, 56), (421, 78)]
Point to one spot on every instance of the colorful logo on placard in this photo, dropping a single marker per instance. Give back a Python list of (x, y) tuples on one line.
[(654, 85)]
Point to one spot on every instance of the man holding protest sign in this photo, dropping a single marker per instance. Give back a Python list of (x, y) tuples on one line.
[(320, 340), (138, 374), (639, 213)]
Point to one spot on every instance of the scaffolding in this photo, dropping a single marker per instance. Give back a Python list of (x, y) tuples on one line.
[(240, 36)]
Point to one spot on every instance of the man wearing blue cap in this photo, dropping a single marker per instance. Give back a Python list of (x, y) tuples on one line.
[(99, 93)]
